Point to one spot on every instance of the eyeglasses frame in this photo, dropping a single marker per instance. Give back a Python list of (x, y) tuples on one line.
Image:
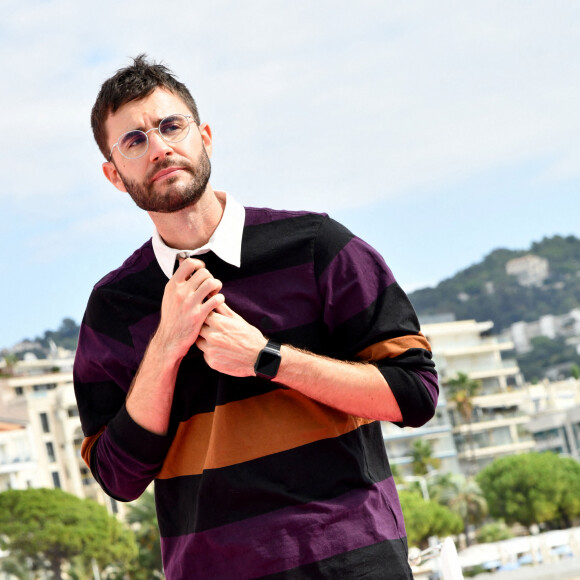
[(188, 117)]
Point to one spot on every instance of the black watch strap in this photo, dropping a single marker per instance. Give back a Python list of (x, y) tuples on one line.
[(268, 361)]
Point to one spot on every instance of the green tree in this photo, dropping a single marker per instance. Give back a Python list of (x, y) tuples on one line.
[(461, 390), (493, 532), (48, 528), (423, 460), (10, 361), (143, 519), (424, 519), (464, 497), (532, 488), (546, 353)]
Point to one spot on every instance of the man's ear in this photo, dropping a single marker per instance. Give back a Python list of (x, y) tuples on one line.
[(113, 176), (206, 137)]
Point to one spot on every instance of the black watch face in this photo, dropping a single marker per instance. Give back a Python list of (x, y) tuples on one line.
[(269, 363)]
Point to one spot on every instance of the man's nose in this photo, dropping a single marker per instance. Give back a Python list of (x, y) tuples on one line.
[(158, 147)]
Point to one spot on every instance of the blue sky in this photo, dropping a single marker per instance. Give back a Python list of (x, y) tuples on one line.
[(437, 131)]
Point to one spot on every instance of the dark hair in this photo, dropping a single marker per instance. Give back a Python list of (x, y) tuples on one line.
[(132, 83)]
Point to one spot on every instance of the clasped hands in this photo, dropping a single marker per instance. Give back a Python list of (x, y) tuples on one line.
[(194, 311)]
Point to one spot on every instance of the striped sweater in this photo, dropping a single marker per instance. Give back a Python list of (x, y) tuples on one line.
[(255, 480)]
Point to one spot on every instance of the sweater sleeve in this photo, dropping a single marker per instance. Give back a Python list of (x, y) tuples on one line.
[(122, 456), (369, 317)]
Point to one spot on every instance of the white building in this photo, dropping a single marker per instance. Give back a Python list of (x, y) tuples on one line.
[(550, 325), (499, 418), (555, 419), (530, 270), (40, 398), (17, 465)]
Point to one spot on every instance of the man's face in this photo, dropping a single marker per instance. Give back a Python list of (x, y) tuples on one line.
[(170, 176)]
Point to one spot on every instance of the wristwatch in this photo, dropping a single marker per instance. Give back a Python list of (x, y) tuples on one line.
[(268, 361)]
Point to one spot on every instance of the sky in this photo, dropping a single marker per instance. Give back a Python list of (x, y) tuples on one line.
[(436, 131)]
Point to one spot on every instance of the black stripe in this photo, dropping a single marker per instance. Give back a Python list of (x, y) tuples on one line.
[(116, 306), (98, 403), (387, 560), (389, 316), (332, 238), (293, 477), (415, 402)]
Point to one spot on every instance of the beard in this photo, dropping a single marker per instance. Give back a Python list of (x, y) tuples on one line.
[(177, 196)]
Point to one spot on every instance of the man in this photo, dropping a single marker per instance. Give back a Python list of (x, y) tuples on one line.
[(248, 381)]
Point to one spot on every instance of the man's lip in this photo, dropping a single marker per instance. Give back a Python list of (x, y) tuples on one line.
[(165, 172)]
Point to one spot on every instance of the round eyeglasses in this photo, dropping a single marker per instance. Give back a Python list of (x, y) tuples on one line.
[(134, 144)]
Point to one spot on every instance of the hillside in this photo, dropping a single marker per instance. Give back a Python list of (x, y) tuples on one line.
[(485, 291), (66, 337)]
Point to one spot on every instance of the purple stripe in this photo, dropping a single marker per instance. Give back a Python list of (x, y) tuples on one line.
[(137, 261), (354, 280), (288, 538), (123, 475), (429, 379), (289, 297), (103, 353), (141, 333), (256, 216)]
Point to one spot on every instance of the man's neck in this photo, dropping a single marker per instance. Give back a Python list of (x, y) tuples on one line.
[(192, 227)]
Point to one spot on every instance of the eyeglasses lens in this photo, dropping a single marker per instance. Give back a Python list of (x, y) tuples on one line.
[(135, 143)]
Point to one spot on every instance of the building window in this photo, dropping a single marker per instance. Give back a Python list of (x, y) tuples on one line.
[(56, 479), (44, 422), (44, 387), (73, 412), (19, 391), (50, 452), (86, 476)]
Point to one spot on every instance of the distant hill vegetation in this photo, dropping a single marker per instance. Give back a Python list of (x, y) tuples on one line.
[(66, 336), (485, 291)]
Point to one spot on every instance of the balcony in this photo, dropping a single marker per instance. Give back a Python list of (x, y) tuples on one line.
[(15, 463)]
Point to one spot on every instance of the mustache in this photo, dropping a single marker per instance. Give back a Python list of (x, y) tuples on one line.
[(169, 163)]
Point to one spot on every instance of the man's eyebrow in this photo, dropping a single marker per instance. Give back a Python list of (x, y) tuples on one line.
[(155, 125)]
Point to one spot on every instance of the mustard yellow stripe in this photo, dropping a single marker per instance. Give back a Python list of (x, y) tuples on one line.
[(87, 446), (394, 347), (267, 424)]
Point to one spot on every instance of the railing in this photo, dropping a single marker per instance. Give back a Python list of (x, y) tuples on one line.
[(448, 561)]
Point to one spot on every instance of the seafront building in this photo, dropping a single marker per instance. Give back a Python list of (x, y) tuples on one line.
[(41, 435), (40, 430), (500, 415)]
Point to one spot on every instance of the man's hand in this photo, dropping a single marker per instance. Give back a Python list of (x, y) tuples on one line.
[(190, 295), (230, 345)]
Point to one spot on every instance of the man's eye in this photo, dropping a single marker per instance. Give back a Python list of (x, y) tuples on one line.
[(172, 126), (133, 139)]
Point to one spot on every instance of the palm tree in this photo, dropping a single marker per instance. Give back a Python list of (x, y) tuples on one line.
[(462, 390), (10, 361), (464, 497), (423, 460)]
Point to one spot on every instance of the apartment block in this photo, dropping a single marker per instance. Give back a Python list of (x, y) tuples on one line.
[(18, 466), (500, 416), (555, 419), (499, 420), (38, 403)]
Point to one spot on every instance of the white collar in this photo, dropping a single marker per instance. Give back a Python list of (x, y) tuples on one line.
[(225, 242)]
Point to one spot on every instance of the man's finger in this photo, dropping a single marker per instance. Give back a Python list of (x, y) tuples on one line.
[(226, 310), (187, 267)]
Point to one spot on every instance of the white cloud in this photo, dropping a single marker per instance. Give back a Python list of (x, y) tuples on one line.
[(326, 105)]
